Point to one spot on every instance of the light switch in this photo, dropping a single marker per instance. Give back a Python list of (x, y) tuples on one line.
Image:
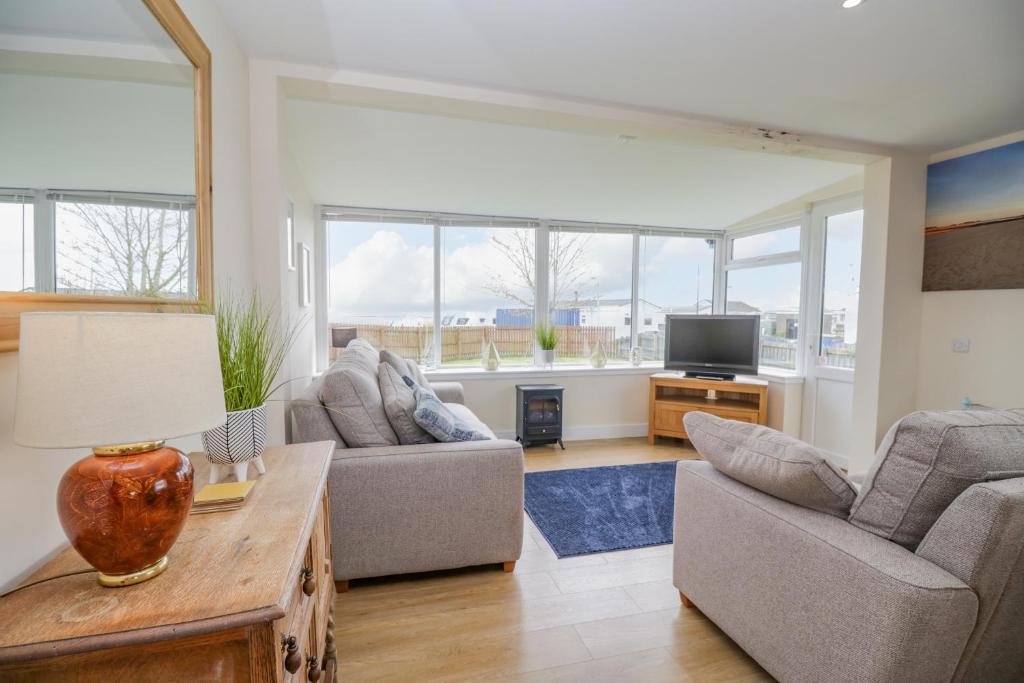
[(961, 345)]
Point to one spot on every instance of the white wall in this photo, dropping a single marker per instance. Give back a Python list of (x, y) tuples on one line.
[(29, 528), (92, 134), (600, 405), (374, 157), (990, 373), (300, 366), (889, 317)]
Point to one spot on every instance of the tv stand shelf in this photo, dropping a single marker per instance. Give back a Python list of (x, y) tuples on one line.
[(673, 395)]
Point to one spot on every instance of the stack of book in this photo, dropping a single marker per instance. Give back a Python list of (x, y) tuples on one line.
[(219, 497)]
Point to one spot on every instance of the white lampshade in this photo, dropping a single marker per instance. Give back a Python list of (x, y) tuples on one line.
[(100, 379)]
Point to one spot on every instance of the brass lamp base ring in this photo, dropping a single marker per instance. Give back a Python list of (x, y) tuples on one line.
[(115, 580)]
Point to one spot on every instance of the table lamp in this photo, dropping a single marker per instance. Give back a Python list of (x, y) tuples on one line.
[(119, 383)]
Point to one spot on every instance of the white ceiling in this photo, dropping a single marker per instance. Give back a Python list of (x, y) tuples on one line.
[(116, 21), (932, 74), (399, 160)]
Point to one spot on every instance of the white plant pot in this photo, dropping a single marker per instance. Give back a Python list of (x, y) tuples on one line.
[(234, 444), (547, 356)]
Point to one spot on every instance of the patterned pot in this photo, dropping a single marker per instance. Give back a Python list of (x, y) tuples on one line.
[(236, 443)]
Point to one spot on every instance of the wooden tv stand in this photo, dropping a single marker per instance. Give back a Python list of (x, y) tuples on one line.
[(673, 395)]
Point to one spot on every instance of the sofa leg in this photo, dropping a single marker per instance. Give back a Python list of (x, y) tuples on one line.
[(685, 600), (509, 566), (341, 586)]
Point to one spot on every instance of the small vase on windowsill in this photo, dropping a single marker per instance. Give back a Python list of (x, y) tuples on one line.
[(547, 357), (491, 358)]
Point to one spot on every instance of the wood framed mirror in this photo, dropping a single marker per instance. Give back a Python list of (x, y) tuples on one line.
[(105, 180)]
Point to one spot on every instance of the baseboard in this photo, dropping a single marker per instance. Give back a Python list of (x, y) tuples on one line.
[(587, 432)]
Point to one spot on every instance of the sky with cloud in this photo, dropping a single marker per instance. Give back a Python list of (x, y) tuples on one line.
[(383, 272)]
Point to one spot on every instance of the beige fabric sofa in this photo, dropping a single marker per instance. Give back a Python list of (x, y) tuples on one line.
[(813, 597), (399, 509)]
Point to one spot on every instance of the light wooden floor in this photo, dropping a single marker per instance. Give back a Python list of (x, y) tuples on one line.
[(607, 617)]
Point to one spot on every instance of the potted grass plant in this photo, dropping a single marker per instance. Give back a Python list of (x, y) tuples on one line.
[(547, 341), (253, 342)]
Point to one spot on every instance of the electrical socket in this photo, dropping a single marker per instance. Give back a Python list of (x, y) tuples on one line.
[(961, 345)]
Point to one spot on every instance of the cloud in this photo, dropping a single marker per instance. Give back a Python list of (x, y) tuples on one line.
[(383, 276), (386, 278)]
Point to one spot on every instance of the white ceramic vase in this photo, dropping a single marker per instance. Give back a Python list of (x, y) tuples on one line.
[(548, 357), (491, 359), (236, 443), (599, 358)]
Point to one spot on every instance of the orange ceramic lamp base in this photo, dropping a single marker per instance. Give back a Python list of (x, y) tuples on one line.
[(123, 507)]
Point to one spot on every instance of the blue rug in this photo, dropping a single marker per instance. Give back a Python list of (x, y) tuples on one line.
[(597, 509)]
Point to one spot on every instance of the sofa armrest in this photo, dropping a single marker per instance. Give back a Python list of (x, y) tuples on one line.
[(449, 392), (980, 539), (398, 509), (777, 577)]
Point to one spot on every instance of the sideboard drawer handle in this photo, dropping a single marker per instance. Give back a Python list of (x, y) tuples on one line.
[(308, 582), (292, 660), (313, 672)]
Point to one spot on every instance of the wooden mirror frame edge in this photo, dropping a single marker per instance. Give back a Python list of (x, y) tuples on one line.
[(12, 304)]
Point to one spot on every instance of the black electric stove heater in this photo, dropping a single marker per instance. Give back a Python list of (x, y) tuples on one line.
[(539, 414)]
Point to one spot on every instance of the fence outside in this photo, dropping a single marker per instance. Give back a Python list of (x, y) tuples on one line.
[(784, 355), (465, 344)]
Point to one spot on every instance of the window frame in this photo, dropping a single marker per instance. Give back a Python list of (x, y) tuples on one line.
[(815, 301), (44, 239), (802, 220), (542, 231), (173, 20)]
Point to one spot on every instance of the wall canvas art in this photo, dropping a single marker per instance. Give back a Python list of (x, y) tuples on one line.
[(974, 237)]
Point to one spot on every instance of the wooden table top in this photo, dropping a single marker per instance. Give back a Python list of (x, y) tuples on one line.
[(227, 569)]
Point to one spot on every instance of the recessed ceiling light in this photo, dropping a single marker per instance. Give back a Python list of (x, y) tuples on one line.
[(850, 4)]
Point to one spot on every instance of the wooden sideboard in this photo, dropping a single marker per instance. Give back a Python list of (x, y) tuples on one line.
[(247, 596), (672, 396)]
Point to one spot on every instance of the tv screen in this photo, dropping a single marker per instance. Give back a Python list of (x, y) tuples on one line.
[(713, 345)]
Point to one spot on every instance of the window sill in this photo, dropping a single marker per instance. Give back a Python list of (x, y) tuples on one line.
[(773, 375)]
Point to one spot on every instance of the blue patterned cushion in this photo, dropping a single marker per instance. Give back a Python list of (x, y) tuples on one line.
[(436, 419)]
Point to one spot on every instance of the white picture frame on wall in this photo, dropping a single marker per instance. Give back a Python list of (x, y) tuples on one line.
[(305, 275), (289, 229)]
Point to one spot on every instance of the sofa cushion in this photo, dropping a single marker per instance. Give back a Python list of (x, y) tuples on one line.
[(361, 353), (438, 419), (929, 458), (406, 367), (311, 421), (461, 412), (351, 395), (399, 405), (772, 462)]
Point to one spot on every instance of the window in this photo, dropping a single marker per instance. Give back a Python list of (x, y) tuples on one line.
[(17, 240), (764, 277), (487, 294), (381, 285), (676, 276), (98, 244), (380, 281), (124, 247), (778, 241), (590, 277), (841, 289)]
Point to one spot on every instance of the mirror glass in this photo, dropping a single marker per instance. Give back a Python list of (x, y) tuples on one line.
[(97, 169)]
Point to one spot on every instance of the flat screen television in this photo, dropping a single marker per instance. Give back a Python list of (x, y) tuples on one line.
[(714, 346)]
